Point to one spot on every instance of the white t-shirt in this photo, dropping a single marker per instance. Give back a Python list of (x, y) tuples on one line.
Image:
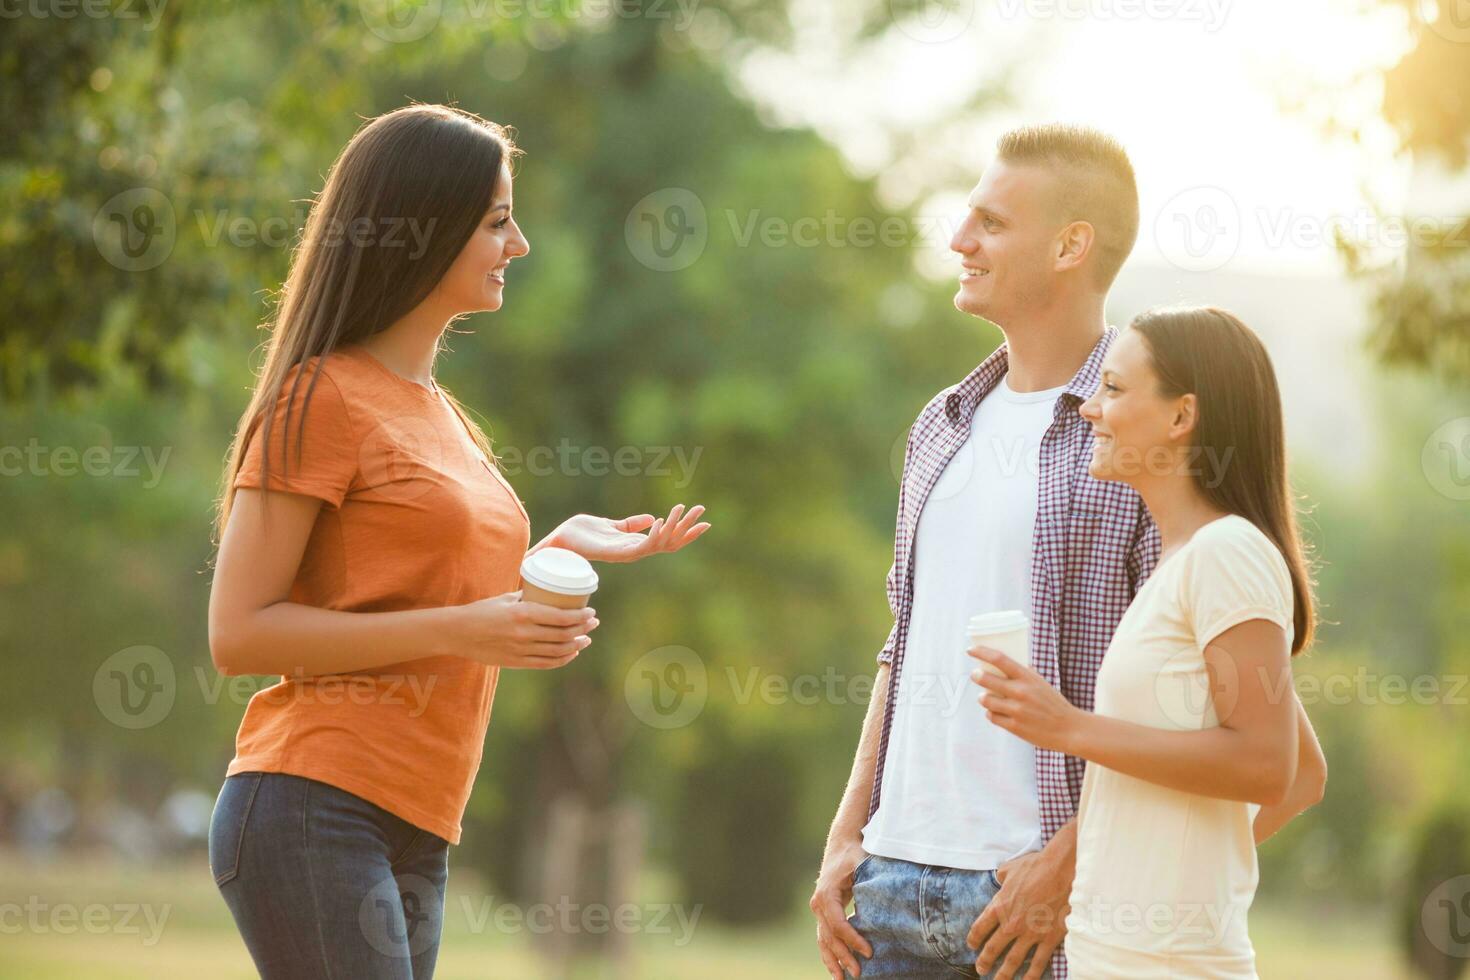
[(959, 792), (1165, 878)]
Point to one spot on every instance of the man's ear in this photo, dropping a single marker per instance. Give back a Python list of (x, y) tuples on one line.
[(1074, 245)]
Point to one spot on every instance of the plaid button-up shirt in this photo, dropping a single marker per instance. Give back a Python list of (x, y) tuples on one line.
[(1093, 546)]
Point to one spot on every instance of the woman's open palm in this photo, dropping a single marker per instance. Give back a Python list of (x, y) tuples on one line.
[(632, 538)]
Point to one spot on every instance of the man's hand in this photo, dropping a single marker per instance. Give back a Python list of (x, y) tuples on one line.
[(1029, 910), (837, 940)]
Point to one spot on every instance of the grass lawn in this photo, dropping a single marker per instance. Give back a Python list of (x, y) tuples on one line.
[(190, 934)]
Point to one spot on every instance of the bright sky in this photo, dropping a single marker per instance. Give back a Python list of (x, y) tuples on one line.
[(1221, 104)]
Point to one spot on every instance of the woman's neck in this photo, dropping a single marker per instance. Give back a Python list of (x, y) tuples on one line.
[(1178, 508), (409, 346)]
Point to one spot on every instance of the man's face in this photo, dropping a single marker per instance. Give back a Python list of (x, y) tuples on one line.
[(1008, 242)]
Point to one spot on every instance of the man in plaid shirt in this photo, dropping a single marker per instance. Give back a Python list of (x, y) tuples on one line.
[(954, 839)]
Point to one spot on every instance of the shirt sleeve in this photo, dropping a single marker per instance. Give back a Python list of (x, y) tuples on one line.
[(317, 457), (885, 656), (1234, 575)]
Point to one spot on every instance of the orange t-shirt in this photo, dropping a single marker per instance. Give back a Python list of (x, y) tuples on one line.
[(414, 517)]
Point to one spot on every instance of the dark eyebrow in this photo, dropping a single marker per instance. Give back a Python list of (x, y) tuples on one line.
[(498, 207)]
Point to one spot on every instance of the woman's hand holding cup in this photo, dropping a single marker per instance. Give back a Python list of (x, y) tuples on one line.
[(507, 631)]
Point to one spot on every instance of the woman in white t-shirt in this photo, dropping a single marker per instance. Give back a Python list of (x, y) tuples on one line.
[(1199, 746)]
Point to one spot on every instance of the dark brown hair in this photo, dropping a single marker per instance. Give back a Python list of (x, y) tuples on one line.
[(1095, 183), (1210, 353), (398, 206)]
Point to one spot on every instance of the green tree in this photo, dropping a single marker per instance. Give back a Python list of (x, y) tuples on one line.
[(1421, 305)]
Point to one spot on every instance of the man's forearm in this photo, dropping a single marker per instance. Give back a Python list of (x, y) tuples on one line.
[(852, 812), (1062, 848)]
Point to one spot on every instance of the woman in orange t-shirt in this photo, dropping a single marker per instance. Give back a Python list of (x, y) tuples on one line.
[(370, 554)]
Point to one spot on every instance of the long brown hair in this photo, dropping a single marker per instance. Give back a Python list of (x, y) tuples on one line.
[(1210, 353), (398, 206)]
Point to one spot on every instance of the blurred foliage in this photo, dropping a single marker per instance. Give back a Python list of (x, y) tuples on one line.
[(786, 374), (1442, 855), (1421, 302), (766, 365)]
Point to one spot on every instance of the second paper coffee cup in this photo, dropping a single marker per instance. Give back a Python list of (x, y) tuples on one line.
[(557, 577), (1007, 631)]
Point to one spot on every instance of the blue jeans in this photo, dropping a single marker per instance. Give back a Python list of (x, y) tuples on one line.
[(916, 918), (325, 885)]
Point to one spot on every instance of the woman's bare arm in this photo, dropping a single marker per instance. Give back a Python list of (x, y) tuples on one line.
[(1250, 756), (1307, 788), (255, 629)]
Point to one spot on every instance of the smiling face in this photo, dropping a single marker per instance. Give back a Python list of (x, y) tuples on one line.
[(476, 280), (1139, 433), (1008, 242)]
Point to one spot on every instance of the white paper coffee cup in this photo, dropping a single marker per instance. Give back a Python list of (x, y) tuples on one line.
[(1008, 631), (557, 577)]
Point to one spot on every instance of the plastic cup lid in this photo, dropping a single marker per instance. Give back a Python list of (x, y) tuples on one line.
[(560, 570), (997, 622)]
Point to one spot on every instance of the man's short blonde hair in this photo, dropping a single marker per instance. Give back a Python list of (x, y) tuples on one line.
[(1095, 184)]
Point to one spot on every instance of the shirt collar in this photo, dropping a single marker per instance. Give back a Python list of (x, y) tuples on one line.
[(960, 406)]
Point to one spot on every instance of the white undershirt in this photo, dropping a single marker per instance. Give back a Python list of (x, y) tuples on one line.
[(959, 792)]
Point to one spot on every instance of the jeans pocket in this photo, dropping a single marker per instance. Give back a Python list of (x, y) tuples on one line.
[(227, 824), (861, 867)]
